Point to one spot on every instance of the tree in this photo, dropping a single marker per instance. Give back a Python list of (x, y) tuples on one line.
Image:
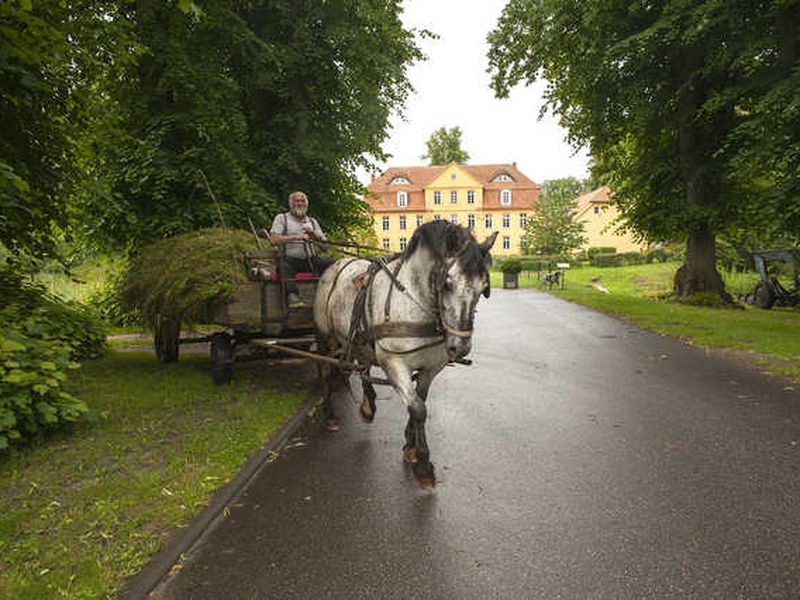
[(261, 98), (444, 147), (552, 229), (660, 91), (48, 57)]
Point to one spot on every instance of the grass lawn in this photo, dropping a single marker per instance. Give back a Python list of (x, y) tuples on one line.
[(770, 338), (84, 510)]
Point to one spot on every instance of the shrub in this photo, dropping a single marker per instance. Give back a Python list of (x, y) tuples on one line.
[(511, 264), (595, 250), (41, 337), (606, 260), (631, 258)]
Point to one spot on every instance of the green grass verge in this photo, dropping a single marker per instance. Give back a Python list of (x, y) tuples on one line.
[(85, 510), (770, 338)]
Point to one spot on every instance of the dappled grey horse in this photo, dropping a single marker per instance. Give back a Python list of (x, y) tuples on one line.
[(411, 314)]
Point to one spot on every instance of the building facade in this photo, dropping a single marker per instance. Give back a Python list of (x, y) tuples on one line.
[(600, 221), (484, 198)]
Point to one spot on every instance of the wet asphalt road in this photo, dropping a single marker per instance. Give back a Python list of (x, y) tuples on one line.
[(579, 457)]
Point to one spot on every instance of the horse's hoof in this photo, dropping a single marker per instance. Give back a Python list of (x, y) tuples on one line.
[(409, 455), (332, 424), (426, 483), (423, 473)]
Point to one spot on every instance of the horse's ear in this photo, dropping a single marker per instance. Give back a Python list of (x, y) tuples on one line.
[(487, 244)]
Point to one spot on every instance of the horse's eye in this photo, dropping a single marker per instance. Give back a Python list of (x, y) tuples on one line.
[(448, 284)]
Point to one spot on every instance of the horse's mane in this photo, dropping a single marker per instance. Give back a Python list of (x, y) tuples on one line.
[(446, 240)]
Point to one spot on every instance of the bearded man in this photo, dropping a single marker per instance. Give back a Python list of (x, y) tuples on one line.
[(297, 235)]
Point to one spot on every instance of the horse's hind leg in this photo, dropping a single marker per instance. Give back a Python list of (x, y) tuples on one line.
[(368, 407), (328, 375)]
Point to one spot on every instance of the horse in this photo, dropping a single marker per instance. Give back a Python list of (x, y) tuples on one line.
[(410, 314)]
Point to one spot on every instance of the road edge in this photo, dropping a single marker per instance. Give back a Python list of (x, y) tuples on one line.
[(155, 571)]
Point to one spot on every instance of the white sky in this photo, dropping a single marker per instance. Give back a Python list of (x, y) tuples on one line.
[(452, 89)]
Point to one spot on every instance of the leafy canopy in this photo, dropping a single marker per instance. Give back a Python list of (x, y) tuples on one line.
[(685, 105), (444, 147), (552, 229)]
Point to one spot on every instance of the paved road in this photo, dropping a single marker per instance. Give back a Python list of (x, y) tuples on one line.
[(579, 457)]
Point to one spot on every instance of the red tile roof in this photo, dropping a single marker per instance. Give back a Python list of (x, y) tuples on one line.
[(382, 194)]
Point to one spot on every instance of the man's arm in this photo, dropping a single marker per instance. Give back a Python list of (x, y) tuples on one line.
[(278, 239)]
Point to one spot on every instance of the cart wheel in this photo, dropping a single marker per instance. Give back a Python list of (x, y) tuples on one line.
[(221, 357), (764, 295)]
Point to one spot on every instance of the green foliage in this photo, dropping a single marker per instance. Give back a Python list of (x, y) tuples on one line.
[(593, 251), (41, 338), (264, 98), (182, 277), (511, 264), (688, 108), (552, 228), (444, 147), (48, 55)]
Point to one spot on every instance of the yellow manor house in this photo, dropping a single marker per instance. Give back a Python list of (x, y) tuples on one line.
[(485, 198)]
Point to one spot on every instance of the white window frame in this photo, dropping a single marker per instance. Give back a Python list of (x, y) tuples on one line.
[(402, 199), (420, 220), (437, 197), (487, 220), (399, 180), (505, 177), (470, 196), (453, 196), (506, 243), (403, 242), (402, 222), (454, 219), (505, 197), (385, 224), (523, 219), (385, 243), (470, 221), (506, 220), (437, 217)]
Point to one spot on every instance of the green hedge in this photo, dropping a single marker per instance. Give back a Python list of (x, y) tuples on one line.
[(596, 250), (40, 339)]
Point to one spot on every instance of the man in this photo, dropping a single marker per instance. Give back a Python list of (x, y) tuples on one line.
[(295, 234)]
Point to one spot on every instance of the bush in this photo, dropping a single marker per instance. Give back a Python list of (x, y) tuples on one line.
[(511, 264), (41, 337), (631, 258), (606, 260), (595, 250)]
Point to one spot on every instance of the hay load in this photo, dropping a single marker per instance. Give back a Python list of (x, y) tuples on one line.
[(183, 278)]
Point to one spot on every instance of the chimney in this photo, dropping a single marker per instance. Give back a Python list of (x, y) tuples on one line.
[(515, 164)]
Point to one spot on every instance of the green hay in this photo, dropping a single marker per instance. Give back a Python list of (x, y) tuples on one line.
[(183, 277)]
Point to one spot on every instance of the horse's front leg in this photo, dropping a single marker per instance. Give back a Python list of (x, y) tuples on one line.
[(424, 380), (416, 444)]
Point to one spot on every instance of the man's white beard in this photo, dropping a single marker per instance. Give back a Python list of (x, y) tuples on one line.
[(299, 213)]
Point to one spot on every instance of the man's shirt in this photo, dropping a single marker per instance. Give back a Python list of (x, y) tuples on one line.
[(288, 224)]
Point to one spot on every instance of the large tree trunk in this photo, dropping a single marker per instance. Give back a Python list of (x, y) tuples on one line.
[(695, 148)]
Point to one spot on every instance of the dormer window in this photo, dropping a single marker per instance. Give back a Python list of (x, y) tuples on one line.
[(402, 199), (399, 180), (502, 177), (505, 197)]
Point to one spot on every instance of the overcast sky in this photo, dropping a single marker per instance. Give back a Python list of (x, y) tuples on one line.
[(452, 89)]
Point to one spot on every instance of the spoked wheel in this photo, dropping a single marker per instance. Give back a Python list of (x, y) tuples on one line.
[(764, 295), (221, 357)]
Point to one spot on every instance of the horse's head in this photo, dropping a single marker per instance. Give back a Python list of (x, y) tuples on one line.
[(462, 279)]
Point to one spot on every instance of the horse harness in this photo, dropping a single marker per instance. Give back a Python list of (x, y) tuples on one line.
[(361, 333)]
